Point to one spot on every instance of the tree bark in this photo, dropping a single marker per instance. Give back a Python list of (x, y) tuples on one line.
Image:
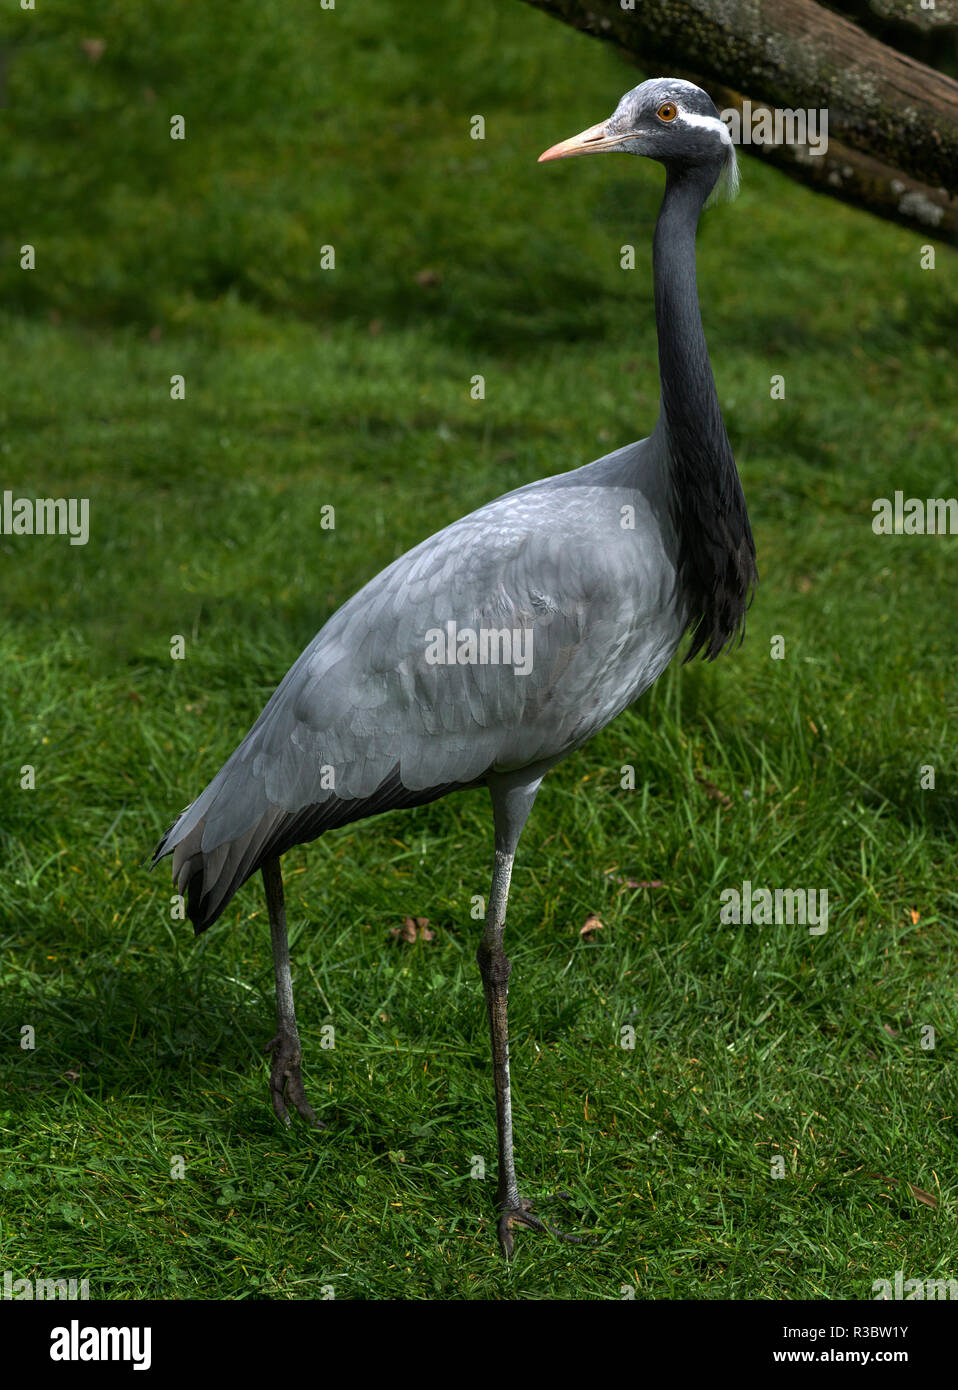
[(892, 122), (945, 12)]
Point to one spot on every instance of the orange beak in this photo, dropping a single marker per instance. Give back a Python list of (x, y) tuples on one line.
[(591, 141)]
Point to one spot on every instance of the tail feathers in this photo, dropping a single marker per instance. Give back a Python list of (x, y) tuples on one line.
[(209, 878)]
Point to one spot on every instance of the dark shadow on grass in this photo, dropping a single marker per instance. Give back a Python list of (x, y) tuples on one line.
[(914, 807), (135, 1031)]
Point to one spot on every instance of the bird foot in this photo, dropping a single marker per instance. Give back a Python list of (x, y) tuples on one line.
[(286, 1080), (512, 1215)]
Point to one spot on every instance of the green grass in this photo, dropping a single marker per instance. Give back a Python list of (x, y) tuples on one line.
[(351, 387)]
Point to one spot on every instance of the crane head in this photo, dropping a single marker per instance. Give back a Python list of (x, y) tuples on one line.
[(666, 119)]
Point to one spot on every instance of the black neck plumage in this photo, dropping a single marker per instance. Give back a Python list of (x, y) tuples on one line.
[(716, 552)]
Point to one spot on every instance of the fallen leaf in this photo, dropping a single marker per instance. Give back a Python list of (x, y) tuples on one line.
[(914, 917), (412, 929), (712, 791), (919, 1193), (590, 925)]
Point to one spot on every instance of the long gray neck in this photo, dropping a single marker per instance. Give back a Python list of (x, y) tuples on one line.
[(690, 404), (716, 551)]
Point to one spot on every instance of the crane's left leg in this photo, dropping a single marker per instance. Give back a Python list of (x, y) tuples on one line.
[(285, 1075), (512, 804)]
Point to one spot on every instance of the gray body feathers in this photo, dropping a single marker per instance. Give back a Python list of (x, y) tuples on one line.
[(586, 562)]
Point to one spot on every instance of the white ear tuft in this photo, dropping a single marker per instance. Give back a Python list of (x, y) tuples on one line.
[(727, 183)]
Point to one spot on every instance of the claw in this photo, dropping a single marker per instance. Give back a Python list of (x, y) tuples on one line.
[(286, 1081), (523, 1215)]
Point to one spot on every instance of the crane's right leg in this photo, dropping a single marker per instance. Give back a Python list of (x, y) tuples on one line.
[(285, 1075), (512, 801)]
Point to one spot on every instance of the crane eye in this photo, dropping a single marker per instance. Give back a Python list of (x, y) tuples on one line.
[(668, 111)]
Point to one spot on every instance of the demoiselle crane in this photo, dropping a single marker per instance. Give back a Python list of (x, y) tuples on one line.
[(497, 647)]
